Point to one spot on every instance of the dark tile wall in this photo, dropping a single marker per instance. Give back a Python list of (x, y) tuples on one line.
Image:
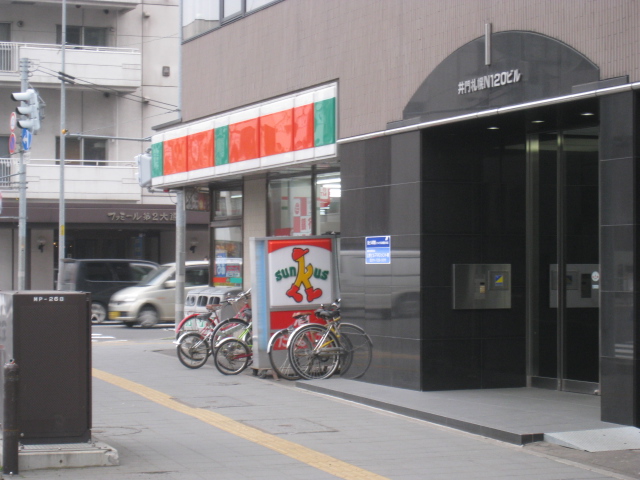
[(381, 196), (474, 212), (442, 202), (618, 257)]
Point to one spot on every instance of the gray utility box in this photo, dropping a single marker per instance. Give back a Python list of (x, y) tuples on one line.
[(48, 335)]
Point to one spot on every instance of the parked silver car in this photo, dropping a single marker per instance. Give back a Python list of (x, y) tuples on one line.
[(152, 301)]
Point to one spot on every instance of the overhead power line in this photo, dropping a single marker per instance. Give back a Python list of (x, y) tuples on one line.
[(70, 79)]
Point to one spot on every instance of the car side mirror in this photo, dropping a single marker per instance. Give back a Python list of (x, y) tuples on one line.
[(170, 284)]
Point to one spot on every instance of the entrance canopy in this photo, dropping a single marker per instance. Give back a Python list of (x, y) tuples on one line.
[(298, 128), (500, 69)]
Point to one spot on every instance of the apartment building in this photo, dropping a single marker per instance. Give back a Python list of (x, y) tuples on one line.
[(121, 63), (493, 144)]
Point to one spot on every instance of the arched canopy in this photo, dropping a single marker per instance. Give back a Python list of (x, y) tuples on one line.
[(524, 67)]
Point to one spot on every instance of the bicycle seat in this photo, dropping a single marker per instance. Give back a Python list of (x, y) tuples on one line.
[(327, 314)]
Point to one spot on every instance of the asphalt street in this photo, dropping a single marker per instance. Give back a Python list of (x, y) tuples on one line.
[(170, 422)]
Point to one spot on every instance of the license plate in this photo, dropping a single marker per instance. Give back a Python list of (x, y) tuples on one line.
[(114, 315)]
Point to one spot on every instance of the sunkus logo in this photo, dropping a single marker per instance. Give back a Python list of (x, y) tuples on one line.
[(302, 275)]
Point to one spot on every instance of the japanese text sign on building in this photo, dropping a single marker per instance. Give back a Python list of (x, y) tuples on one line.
[(378, 250)]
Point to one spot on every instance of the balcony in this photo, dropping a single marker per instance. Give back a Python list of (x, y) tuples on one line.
[(115, 68), (108, 180)]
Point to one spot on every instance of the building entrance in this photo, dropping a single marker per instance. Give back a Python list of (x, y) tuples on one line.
[(563, 260)]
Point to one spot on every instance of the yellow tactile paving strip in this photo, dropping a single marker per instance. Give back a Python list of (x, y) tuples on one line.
[(293, 450)]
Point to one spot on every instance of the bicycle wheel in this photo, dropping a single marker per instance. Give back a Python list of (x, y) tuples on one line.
[(358, 351), (232, 327), (314, 352), (193, 350), (279, 356), (232, 356)]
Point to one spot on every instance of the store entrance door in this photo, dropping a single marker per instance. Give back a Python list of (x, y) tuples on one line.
[(562, 260)]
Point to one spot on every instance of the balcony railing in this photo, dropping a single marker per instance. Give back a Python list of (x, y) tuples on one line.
[(112, 67), (9, 57), (91, 180)]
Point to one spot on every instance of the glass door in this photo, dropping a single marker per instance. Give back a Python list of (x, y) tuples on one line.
[(562, 260)]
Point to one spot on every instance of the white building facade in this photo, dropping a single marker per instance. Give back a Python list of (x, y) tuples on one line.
[(121, 58)]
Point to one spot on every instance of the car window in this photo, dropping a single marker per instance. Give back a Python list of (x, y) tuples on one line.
[(196, 276), (98, 272), (139, 270), (155, 277), (122, 271)]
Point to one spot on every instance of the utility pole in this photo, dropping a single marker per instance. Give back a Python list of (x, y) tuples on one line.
[(22, 205), (29, 108), (63, 131), (181, 252)]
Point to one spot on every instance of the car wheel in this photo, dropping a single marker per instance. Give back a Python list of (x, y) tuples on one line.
[(148, 317), (98, 312)]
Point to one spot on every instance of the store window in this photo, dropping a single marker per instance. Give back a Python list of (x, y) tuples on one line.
[(305, 205), (226, 232), (328, 196), (290, 207), (228, 203), (87, 36), (227, 268), (83, 151)]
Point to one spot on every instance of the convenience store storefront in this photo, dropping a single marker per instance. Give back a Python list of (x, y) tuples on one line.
[(507, 190), (273, 162)]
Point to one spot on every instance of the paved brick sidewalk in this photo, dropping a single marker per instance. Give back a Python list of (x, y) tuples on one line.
[(169, 422)]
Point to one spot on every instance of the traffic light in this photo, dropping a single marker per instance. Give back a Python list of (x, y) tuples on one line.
[(30, 107), (144, 169)]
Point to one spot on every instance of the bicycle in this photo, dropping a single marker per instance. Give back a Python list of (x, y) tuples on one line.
[(318, 351), (277, 348), (234, 354), (203, 322), (194, 347)]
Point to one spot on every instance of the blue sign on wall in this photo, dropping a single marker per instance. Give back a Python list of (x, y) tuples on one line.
[(378, 250)]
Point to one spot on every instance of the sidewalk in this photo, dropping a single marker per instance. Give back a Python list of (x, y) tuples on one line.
[(513, 415), (168, 422)]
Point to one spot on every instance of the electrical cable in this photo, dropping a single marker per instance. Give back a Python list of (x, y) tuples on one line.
[(103, 89)]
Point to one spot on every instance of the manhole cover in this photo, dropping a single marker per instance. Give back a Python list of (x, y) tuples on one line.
[(290, 426), (114, 431)]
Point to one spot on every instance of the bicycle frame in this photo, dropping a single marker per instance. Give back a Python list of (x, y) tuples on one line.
[(331, 326)]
